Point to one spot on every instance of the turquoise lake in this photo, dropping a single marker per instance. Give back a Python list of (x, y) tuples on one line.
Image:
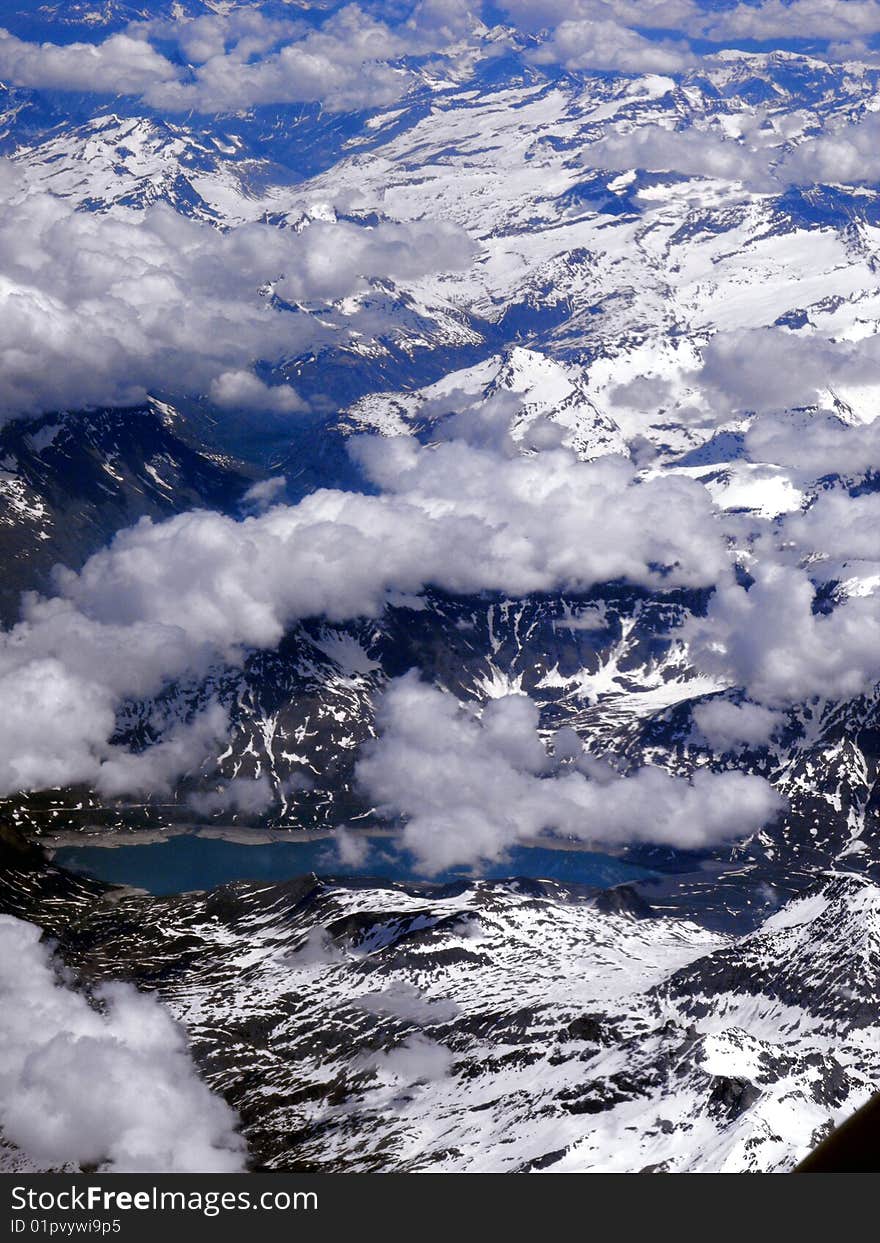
[(187, 861)]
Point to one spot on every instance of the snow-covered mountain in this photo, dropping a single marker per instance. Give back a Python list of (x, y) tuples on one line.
[(497, 1026), (631, 233)]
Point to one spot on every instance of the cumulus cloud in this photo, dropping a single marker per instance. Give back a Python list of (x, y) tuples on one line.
[(845, 154), (120, 65), (771, 369), (242, 390), (823, 19), (468, 789), (691, 152), (416, 1060), (607, 45), (404, 1001), (242, 796), (352, 849), (770, 640), (103, 309), (815, 443), (344, 64), (167, 599), (838, 526), (727, 726), (264, 492), (452, 516), (110, 1085)]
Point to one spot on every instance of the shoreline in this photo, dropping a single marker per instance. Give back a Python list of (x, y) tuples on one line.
[(110, 839)]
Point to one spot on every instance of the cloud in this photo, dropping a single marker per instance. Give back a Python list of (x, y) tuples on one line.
[(815, 443), (242, 796), (351, 61), (352, 849), (452, 516), (691, 152), (416, 1060), (242, 390), (102, 309), (404, 1001), (772, 369), (343, 64), (172, 598), (120, 65), (110, 1085), (845, 154), (772, 19), (727, 726), (770, 640), (803, 19), (468, 789), (838, 526), (264, 492), (607, 45)]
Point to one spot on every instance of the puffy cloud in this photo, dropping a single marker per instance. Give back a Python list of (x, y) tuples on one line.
[(845, 154), (158, 767), (469, 789), (770, 639), (242, 390), (351, 849), (242, 796), (537, 15), (824, 19), (457, 517), (264, 492), (727, 726), (165, 599), (343, 64), (102, 309), (770, 19), (838, 526), (607, 45), (691, 152), (351, 61), (120, 65), (110, 1085), (815, 443), (58, 721), (416, 1060), (404, 1001), (762, 369)]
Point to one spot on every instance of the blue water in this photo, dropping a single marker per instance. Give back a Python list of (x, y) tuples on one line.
[(188, 862)]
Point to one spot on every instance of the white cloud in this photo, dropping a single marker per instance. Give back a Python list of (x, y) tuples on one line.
[(242, 390), (119, 65), (814, 443), (264, 492), (243, 796), (401, 1000), (470, 789), (823, 19), (838, 526), (769, 640), (608, 45), (691, 152), (845, 154), (416, 1060), (352, 849), (100, 309), (169, 598), (727, 726), (112, 1087), (772, 369)]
